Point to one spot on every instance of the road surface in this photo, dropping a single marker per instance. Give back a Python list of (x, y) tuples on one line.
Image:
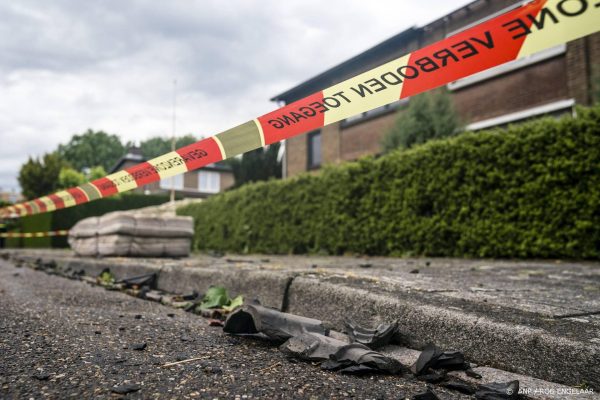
[(65, 339)]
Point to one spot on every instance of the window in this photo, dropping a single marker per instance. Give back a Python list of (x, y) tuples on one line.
[(314, 149), (174, 182), (556, 108), (209, 181)]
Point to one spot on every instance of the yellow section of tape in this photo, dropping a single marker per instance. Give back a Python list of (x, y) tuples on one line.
[(221, 148), (169, 164), (66, 198), (574, 19), (367, 91), (50, 206), (123, 180), (260, 132)]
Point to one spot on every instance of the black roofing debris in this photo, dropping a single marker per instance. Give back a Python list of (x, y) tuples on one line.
[(126, 388), (433, 357), (252, 318), (459, 386), (426, 395), (356, 358), (498, 391), (372, 338), (146, 280), (311, 346)]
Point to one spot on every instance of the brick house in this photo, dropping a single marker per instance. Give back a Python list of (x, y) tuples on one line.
[(203, 182), (548, 82)]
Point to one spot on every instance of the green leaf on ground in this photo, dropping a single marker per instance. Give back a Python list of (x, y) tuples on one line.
[(106, 277), (234, 303), (215, 297)]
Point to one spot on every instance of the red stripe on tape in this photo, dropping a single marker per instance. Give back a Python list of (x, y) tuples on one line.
[(301, 116), (143, 173), (201, 153), (105, 186), (58, 202), (78, 195), (41, 205), (474, 50)]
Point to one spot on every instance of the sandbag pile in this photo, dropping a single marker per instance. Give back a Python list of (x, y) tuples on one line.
[(125, 234)]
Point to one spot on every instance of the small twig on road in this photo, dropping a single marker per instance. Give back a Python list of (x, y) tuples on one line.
[(184, 361), (271, 367)]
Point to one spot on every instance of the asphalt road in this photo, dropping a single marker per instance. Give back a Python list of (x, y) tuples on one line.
[(66, 339)]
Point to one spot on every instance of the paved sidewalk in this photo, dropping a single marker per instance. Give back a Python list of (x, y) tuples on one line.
[(533, 318)]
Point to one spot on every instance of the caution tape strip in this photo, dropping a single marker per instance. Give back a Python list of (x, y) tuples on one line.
[(33, 234), (528, 29)]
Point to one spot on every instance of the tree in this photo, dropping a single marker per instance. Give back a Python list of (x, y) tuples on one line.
[(39, 177), (256, 165), (428, 116), (68, 178), (157, 146), (96, 173), (91, 149)]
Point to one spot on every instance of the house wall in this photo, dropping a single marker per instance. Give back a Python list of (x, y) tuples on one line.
[(227, 180), (574, 74)]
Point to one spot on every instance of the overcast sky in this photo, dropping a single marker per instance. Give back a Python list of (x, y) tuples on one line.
[(70, 65)]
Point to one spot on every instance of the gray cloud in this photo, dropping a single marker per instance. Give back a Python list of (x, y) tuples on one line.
[(69, 65)]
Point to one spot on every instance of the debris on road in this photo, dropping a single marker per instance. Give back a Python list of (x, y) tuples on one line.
[(138, 282), (337, 355), (139, 346), (216, 297), (311, 346), (356, 358), (498, 391), (434, 358), (126, 388), (372, 338), (252, 318), (426, 395)]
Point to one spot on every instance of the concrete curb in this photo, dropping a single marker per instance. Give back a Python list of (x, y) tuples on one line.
[(513, 347)]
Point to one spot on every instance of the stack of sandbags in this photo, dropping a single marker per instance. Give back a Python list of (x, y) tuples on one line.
[(125, 234)]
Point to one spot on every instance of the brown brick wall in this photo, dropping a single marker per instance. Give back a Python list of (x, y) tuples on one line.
[(525, 88), (364, 138), (330, 144), (296, 155), (227, 180), (577, 75), (594, 53)]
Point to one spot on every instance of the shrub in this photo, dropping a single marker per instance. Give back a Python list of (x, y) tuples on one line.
[(532, 190)]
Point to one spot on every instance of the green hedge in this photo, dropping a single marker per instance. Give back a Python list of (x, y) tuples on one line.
[(532, 190), (67, 217)]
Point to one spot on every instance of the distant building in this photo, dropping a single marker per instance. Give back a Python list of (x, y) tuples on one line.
[(548, 82), (10, 197), (203, 182)]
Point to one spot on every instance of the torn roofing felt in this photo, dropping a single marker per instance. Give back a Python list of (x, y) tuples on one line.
[(426, 395), (498, 391), (373, 338), (253, 318), (433, 357), (358, 358), (148, 280), (338, 355), (311, 346)]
